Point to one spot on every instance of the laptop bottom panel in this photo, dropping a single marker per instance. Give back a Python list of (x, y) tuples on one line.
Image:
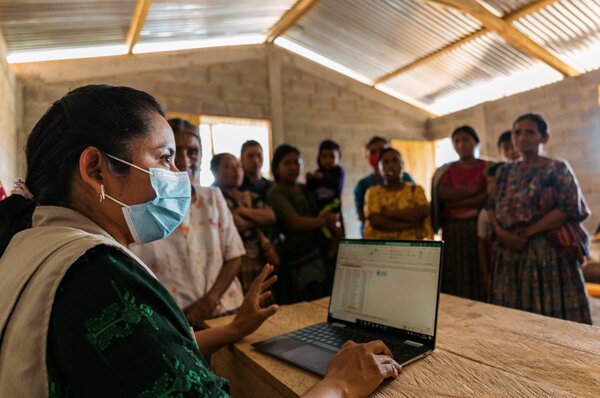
[(313, 347)]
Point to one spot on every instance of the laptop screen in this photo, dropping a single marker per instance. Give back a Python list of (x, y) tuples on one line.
[(388, 285)]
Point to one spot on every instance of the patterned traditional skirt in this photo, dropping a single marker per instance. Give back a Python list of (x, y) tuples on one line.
[(461, 274), (537, 279)]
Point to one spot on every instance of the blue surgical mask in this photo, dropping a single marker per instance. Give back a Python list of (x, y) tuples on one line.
[(159, 217)]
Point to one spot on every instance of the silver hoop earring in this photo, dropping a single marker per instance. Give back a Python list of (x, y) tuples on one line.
[(102, 194)]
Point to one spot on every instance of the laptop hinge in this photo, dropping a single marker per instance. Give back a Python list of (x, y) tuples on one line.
[(413, 343)]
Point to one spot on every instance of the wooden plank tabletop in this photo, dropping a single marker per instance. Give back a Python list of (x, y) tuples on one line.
[(482, 350)]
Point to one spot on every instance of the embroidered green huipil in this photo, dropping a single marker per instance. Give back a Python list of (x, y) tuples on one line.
[(116, 332)]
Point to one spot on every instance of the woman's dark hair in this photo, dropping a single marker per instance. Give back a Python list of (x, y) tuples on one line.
[(539, 121), (375, 139), (329, 145), (386, 150), (216, 161), (466, 129), (504, 137), (101, 116), (249, 144), (179, 125), (280, 153)]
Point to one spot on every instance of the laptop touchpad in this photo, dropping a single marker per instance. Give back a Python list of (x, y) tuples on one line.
[(313, 358)]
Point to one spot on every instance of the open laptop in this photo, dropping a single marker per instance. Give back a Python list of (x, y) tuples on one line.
[(386, 290)]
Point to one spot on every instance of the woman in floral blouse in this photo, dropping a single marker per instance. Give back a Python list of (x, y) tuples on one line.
[(537, 200), (250, 214)]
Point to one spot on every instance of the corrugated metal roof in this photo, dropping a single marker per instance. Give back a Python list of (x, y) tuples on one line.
[(35, 25), (479, 61), (568, 28), (172, 20), (377, 37), (369, 37), (504, 7)]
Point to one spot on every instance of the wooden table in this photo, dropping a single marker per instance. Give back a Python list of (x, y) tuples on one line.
[(482, 351)]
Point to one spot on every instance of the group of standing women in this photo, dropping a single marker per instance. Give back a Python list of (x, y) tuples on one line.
[(288, 223), (535, 211), (535, 240)]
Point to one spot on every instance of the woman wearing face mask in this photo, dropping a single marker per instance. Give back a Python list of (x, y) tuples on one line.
[(459, 193), (81, 315)]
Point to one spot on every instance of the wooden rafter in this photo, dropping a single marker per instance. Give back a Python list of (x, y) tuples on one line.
[(289, 19), (137, 23), (507, 20)]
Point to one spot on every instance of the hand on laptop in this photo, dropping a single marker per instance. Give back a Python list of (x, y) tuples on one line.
[(356, 371)]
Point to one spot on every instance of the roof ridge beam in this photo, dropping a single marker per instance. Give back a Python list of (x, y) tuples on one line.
[(137, 23), (288, 19)]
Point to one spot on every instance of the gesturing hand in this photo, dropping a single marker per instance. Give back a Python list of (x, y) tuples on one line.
[(251, 315)]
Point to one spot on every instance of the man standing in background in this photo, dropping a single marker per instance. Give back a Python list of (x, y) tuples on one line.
[(251, 157)]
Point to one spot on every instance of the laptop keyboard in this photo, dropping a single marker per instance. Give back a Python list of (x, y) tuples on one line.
[(331, 337)]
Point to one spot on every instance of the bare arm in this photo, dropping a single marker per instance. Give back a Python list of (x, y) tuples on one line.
[(478, 201), (229, 271), (412, 214), (551, 220), (296, 223), (204, 307), (452, 194), (262, 217), (508, 239), (361, 216), (241, 223), (385, 223)]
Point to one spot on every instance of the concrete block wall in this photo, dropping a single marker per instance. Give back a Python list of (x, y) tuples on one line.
[(316, 103), (233, 89), (9, 116), (572, 109)]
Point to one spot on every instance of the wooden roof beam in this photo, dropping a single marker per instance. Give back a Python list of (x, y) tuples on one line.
[(289, 19), (509, 33), (513, 16), (137, 23)]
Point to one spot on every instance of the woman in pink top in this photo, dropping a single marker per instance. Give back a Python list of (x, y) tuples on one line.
[(461, 194)]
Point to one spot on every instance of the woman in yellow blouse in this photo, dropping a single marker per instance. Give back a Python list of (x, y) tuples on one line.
[(396, 210)]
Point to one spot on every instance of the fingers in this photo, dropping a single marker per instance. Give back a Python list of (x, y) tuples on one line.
[(258, 281), (378, 347), (389, 370), (265, 296), (348, 344), (267, 312), (269, 282)]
